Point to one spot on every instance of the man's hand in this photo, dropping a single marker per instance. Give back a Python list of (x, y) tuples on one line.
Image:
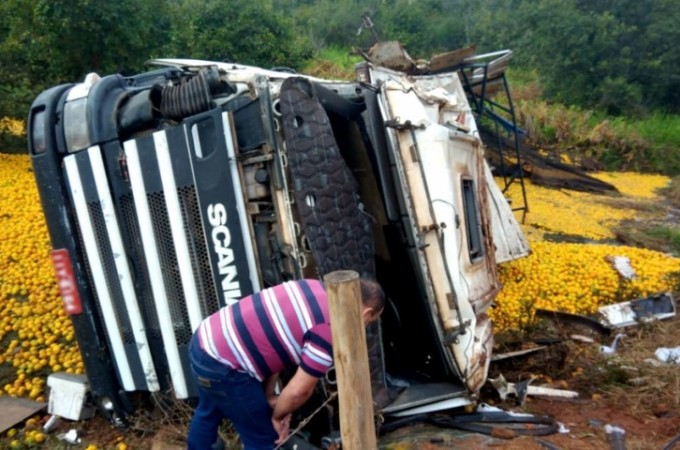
[(282, 427)]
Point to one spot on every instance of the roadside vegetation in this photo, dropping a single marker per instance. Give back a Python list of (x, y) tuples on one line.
[(644, 142)]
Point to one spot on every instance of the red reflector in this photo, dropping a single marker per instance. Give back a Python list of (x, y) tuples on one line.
[(66, 281)]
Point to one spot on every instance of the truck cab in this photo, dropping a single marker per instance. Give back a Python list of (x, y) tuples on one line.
[(177, 191)]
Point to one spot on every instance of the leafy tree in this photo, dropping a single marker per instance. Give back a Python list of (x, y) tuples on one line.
[(424, 27), (46, 42), (654, 56), (336, 23), (614, 55), (617, 55), (245, 31)]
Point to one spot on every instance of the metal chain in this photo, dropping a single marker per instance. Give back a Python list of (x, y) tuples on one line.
[(306, 420)]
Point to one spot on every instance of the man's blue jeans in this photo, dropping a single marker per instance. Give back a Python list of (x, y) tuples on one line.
[(226, 393)]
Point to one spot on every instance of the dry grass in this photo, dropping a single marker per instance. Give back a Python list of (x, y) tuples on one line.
[(647, 386), (672, 192), (168, 423), (640, 205), (657, 226), (329, 70), (630, 389)]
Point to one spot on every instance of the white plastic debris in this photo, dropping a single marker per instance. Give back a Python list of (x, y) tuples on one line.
[(68, 396), (562, 428), (485, 407), (611, 349), (668, 355), (622, 266), (72, 436), (582, 338)]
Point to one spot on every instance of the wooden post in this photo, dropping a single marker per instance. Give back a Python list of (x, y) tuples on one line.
[(350, 353)]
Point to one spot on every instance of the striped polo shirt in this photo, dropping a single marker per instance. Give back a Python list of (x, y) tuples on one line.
[(275, 329)]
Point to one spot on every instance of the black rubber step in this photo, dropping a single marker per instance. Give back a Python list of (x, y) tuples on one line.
[(326, 194)]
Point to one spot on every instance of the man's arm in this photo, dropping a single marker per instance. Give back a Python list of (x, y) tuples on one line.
[(294, 394)]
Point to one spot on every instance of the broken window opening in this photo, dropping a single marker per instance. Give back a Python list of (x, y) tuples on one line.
[(472, 224)]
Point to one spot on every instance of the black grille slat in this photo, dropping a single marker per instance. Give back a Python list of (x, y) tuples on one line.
[(198, 251), (171, 272), (111, 273), (139, 269), (90, 280)]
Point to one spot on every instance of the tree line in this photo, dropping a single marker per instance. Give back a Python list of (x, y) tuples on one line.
[(619, 56)]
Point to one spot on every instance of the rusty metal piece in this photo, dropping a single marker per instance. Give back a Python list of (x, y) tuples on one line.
[(392, 55)]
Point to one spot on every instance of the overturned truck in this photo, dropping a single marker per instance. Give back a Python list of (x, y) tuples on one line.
[(174, 192)]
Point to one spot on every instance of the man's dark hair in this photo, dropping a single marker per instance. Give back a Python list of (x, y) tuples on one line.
[(372, 294)]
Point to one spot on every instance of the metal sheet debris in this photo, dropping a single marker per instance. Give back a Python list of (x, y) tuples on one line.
[(615, 436), (507, 355), (418, 395), (659, 306), (523, 388), (15, 410), (574, 319)]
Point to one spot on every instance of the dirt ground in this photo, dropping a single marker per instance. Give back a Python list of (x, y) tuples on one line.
[(630, 390)]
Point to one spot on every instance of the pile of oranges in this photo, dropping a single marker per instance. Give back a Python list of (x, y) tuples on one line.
[(579, 278), (36, 336)]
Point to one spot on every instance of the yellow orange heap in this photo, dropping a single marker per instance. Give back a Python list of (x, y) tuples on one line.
[(578, 278), (36, 336), (583, 214)]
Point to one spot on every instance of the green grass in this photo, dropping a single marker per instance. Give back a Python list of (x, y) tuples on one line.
[(10, 143), (333, 63), (631, 143), (339, 56), (663, 132), (669, 234), (661, 129)]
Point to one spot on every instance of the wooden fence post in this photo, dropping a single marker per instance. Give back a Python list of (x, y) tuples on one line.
[(357, 428)]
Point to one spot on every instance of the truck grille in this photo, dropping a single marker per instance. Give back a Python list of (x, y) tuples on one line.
[(153, 271)]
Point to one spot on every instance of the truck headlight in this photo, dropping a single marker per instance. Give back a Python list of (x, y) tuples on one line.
[(38, 141), (75, 125), (76, 131)]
